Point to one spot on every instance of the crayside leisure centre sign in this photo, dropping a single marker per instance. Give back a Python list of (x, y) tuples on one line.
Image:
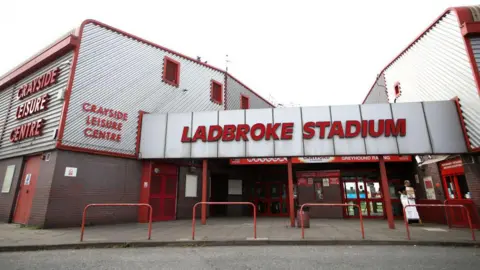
[(370, 129)]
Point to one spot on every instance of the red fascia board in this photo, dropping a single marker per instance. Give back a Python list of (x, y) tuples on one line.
[(463, 15), (248, 88), (42, 59), (471, 28)]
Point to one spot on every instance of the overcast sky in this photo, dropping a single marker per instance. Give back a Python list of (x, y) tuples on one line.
[(300, 52)]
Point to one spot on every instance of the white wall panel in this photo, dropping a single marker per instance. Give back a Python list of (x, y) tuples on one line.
[(418, 140), (437, 115), (121, 73), (260, 148), (437, 68), (154, 128), (293, 147), (235, 90), (314, 146), (204, 149), (232, 148), (440, 121), (175, 148), (347, 146), (9, 104), (380, 145)]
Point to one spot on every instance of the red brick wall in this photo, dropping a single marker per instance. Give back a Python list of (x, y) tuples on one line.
[(433, 171), (7, 200), (471, 165)]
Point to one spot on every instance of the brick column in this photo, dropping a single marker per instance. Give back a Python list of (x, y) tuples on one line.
[(471, 165)]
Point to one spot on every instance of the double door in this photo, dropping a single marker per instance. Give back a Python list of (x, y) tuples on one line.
[(271, 198), (364, 192)]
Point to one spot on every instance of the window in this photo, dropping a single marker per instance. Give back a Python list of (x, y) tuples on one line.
[(244, 102), (171, 71), (216, 92), (397, 89)]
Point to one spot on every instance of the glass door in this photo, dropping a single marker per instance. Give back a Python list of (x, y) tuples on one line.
[(364, 193), (271, 198)]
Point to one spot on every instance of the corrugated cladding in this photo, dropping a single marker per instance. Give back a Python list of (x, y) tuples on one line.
[(378, 93), (475, 41), (437, 67), (124, 74), (234, 92), (9, 104)]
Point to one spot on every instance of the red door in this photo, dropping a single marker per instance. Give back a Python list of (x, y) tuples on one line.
[(27, 190), (271, 198), (163, 192)]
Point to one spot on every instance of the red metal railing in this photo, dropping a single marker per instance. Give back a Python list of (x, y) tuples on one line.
[(116, 204), (227, 203), (332, 204), (436, 205)]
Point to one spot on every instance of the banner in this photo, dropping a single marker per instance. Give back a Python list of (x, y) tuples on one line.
[(298, 160)]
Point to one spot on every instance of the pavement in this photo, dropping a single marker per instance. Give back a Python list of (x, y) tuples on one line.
[(232, 231), (263, 257)]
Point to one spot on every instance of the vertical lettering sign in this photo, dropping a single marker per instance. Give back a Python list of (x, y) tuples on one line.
[(33, 106), (103, 123)]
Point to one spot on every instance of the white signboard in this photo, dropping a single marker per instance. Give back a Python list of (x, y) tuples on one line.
[(71, 172), (234, 187), (191, 182), (369, 129), (7, 180), (28, 177)]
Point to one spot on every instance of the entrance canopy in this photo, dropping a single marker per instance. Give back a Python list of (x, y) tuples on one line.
[(368, 129)]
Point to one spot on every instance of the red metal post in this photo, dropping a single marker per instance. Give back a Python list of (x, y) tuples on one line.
[(331, 204), (84, 215), (386, 193), (226, 203), (290, 193), (437, 205), (204, 191)]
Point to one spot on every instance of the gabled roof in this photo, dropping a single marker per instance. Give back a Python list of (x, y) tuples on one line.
[(464, 15), (71, 40)]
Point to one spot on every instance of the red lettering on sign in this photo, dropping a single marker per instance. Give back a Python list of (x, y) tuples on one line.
[(39, 83), (242, 132), (212, 137), (27, 130), (287, 130), (185, 137), (395, 129), (323, 126), (371, 128), (336, 130), (260, 131), (352, 124), (200, 134), (228, 133), (308, 131)]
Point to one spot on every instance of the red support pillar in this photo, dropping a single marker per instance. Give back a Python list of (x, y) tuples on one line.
[(204, 190), (386, 193), (290, 193)]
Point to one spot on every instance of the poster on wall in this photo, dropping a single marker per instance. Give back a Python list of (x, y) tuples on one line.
[(326, 182), (334, 181), (234, 187), (429, 188), (191, 185), (7, 180)]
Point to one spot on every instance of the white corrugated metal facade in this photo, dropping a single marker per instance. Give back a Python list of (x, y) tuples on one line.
[(124, 74), (475, 41), (378, 93), (9, 104), (437, 67), (234, 92)]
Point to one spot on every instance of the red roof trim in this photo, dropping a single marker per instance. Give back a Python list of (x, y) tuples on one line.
[(471, 28), (248, 88), (42, 59), (463, 15)]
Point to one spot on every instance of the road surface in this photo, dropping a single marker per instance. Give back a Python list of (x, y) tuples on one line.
[(261, 257)]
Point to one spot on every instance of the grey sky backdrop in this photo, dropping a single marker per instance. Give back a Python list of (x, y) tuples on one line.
[(300, 52)]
